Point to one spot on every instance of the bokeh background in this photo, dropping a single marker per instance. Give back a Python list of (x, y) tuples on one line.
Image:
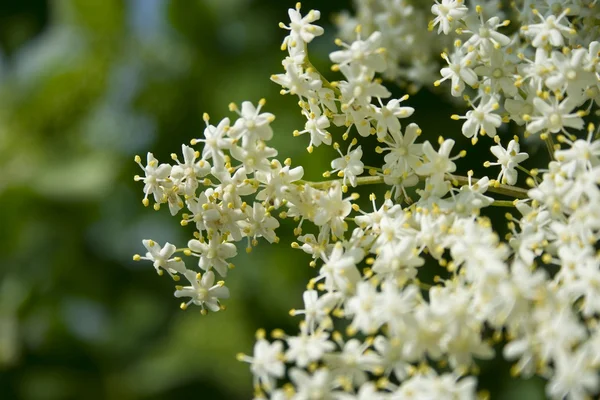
[(84, 86)]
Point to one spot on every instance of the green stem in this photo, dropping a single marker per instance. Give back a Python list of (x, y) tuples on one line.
[(524, 170), (326, 83), (423, 285), (534, 177), (360, 181), (550, 146), (507, 190), (503, 203), (307, 64)]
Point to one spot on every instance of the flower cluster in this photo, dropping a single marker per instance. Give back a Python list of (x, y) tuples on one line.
[(370, 326)]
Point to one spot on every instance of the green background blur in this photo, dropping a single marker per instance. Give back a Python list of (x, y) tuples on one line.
[(84, 86)]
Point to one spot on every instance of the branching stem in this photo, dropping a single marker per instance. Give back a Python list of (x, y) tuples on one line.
[(507, 190)]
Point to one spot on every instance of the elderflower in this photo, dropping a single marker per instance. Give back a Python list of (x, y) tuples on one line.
[(481, 119), (550, 30), (348, 166), (301, 28), (447, 12), (408, 293), (508, 159), (156, 179), (554, 117), (437, 163), (267, 362), (161, 258), (202, 291), (459, 71)]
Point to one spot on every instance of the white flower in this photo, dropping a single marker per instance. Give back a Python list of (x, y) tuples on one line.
[(260, 224), (229, 221), (162, 259), (277, 182), (499, 73), (481, 119), (339, 270), (255, 156), (536, 71), (581, 154), (431, 386), (437, 163), (571, 74), (352, 362), (460, 336), (308, 346), (523, 350), (470, 198), (215, 142), (296, 80), (397, 306), (315, 246), (574, 376), (203, 292), (266, 362), (518, 107), (392, 227), (404, 154), (156, 178), (316, 386), (484, 34), (360, 86), (508, 159), (436, 187), (316, 309), (348, 166), (252, 125), (232, 187), (373, 219), (301, 28), (555, 117), (213, 254), (387, 116), (447, 12), (362, 308), (459, 71), (302, 204), (391, 355), (550, 30), (205, 211), (186, 174), (367, 53), (316, 125), (333, 209), (397, 261)]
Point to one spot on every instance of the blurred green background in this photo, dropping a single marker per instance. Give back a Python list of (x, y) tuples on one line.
[(84, 86)]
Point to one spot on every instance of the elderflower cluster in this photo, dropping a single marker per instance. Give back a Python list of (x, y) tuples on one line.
[(370, 325)]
